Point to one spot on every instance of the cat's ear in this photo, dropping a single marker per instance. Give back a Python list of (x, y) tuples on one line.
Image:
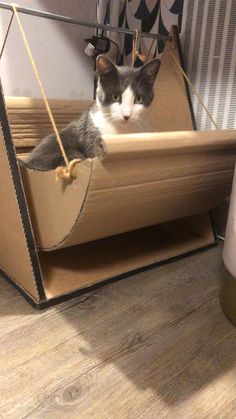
[(150, 70), (104, 66)]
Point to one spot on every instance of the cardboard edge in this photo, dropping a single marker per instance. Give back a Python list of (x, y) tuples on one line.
[(20, 197), (213, 228), (29, 298), (63, 242), (175, 33), (65, 297)]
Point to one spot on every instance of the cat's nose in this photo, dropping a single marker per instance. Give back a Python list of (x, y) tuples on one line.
[(126, 117)]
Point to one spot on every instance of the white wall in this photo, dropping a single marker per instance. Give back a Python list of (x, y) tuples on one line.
[(58, 49)]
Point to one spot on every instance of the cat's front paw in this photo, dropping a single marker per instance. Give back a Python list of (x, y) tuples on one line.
[(100, 148)]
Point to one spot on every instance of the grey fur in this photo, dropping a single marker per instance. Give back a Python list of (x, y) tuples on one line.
[(114, 80), (80, 137)]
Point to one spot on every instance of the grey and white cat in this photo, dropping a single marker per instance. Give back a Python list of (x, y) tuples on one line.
[(123, 97)]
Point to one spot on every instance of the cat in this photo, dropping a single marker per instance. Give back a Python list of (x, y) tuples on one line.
[(123, 97)]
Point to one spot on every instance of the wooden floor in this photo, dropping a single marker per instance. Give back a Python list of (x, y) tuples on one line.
[(156, 345)]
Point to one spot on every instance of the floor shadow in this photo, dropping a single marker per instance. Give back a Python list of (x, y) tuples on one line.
[(163, 329)]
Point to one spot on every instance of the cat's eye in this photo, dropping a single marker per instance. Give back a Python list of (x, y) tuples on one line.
[(138, 99), (116, 97)]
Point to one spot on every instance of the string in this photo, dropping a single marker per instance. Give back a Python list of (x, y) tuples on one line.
[(135, 52), (193, 88), (14, 7)]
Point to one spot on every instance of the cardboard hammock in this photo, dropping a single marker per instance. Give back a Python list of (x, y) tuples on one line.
[(145, 200)]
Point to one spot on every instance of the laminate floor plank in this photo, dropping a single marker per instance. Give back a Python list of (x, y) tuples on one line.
[(155, 345)]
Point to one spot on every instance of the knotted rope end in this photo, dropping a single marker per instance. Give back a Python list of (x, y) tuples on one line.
[(66, 172)]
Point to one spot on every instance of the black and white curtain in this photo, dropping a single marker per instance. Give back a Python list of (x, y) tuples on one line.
[(156, 16)]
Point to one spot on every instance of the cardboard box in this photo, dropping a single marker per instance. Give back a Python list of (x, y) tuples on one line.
[(145, 200)]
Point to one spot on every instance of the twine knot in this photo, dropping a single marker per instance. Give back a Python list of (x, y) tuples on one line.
[(66, 172)]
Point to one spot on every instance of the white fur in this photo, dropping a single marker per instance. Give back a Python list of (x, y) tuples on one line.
[(110, 119), (102, 122), (127, 102)]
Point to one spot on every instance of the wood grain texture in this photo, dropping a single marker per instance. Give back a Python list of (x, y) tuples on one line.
[(156, 345)]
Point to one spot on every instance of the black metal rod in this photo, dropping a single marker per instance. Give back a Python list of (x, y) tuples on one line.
[(68, 19)]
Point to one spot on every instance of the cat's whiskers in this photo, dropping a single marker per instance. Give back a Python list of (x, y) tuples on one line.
[(107, 115), (109, 118)]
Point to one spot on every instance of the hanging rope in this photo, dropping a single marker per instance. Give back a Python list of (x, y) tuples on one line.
[(67, 171), (135, 51), (193, 88)]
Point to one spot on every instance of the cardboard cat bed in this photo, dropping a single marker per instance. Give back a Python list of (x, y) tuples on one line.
[(144, 200)]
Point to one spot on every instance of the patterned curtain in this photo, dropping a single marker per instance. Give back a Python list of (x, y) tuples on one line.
[(156, 16)]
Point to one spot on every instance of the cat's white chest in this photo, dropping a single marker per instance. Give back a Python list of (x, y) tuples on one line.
[(108, 127), (103, 124)]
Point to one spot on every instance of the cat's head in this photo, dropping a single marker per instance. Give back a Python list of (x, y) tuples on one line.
[(124, 93)]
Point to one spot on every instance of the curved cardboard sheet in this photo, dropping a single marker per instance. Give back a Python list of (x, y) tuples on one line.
[(142, 180), (138, 181)]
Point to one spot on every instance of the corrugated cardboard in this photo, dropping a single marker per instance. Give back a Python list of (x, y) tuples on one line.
[(143, 201)]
